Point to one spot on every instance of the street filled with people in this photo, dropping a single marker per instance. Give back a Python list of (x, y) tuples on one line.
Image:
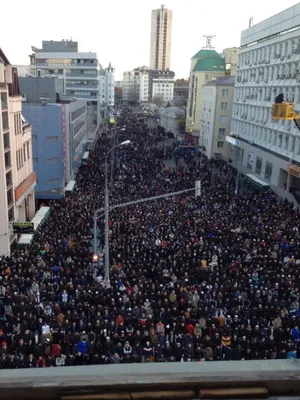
[(208, 278)]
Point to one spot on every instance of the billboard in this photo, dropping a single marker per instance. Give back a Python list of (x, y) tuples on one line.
[(21, 228)]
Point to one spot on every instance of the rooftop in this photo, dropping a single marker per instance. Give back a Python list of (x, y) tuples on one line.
[(43, 55), (207, 54), (222, 81), (210, 64), (3, 58), (208, 60)]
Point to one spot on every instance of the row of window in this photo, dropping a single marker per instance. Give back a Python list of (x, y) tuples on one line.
[(282, 71), (22, 155), (258, 166), (18, 124), (83, 93), (83, 83), (267, 137), (278, 51), (267, 93), (77, 113)]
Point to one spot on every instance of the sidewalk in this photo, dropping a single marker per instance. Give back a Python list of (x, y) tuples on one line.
[(284, 194)]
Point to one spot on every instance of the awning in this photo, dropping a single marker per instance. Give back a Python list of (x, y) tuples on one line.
[(70, 187), (294, 170), (85, 156), (256, 180)]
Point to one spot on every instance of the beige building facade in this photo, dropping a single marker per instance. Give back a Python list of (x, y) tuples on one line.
[(230, 56), (161, 39), (206, 65), (17, 179), (216, 117)]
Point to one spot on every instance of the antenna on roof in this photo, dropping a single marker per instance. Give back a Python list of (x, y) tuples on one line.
[(251, 22), (208, 42)]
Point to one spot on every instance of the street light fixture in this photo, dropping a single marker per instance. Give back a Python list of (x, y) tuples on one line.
[(106, 211)]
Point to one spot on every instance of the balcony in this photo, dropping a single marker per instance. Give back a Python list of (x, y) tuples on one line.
[(83, 95), (83, 87)]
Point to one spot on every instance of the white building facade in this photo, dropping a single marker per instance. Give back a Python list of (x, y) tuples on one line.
[(161, 39), (107, 86), (216, 117), (268, 64), (161, 85), (136, 85), (17, 179)]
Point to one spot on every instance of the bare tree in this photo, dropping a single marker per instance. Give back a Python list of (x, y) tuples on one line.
[(181, 121), (158, 100), (133, 95)]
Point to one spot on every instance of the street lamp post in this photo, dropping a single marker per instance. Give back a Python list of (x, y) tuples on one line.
[(166, 133), (238, 171), (114, 142), (106, 211)]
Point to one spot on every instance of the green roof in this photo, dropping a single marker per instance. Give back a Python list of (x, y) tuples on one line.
[(210, 64), (206, 53)]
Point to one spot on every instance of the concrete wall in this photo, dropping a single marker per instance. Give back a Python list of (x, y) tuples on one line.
[(77, 133), (280, 22), (47, 147), (35, 88)]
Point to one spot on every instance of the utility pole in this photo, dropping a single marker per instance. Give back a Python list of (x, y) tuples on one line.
[(237, 174)]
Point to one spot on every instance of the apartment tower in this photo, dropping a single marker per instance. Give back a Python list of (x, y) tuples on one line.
[(161, 37)]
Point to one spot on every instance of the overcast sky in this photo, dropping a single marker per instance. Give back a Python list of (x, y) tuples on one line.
[(119, 30)]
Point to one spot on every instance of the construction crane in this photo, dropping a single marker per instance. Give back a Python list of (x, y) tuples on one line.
[(282, 110)]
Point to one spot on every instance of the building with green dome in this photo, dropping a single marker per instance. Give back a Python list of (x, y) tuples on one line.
[(206, 65)]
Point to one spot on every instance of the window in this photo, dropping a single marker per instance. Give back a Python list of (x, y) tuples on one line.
[(10, 196), (225, 92), (7, 159), (220, 145), (224, 106), (258, 165), (24, 152), (19, 158), (223, 119), (51, 138), (52, 160), (8, 179), (268, 170), (3, 101), (53, 181), (222, 132), (28, 148), (5, 125), (11, 214), (6, 141)]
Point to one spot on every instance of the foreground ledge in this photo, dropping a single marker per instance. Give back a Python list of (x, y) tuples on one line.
[(279, 377)]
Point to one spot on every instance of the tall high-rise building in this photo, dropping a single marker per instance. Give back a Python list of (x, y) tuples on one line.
[(161, 37)]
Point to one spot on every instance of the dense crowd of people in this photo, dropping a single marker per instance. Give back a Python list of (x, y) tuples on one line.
[(214, 277)]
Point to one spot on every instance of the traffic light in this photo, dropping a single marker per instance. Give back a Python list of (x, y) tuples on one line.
[(190, 129), (197, 188), (284, 111), (92, 239), (95, 259)]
